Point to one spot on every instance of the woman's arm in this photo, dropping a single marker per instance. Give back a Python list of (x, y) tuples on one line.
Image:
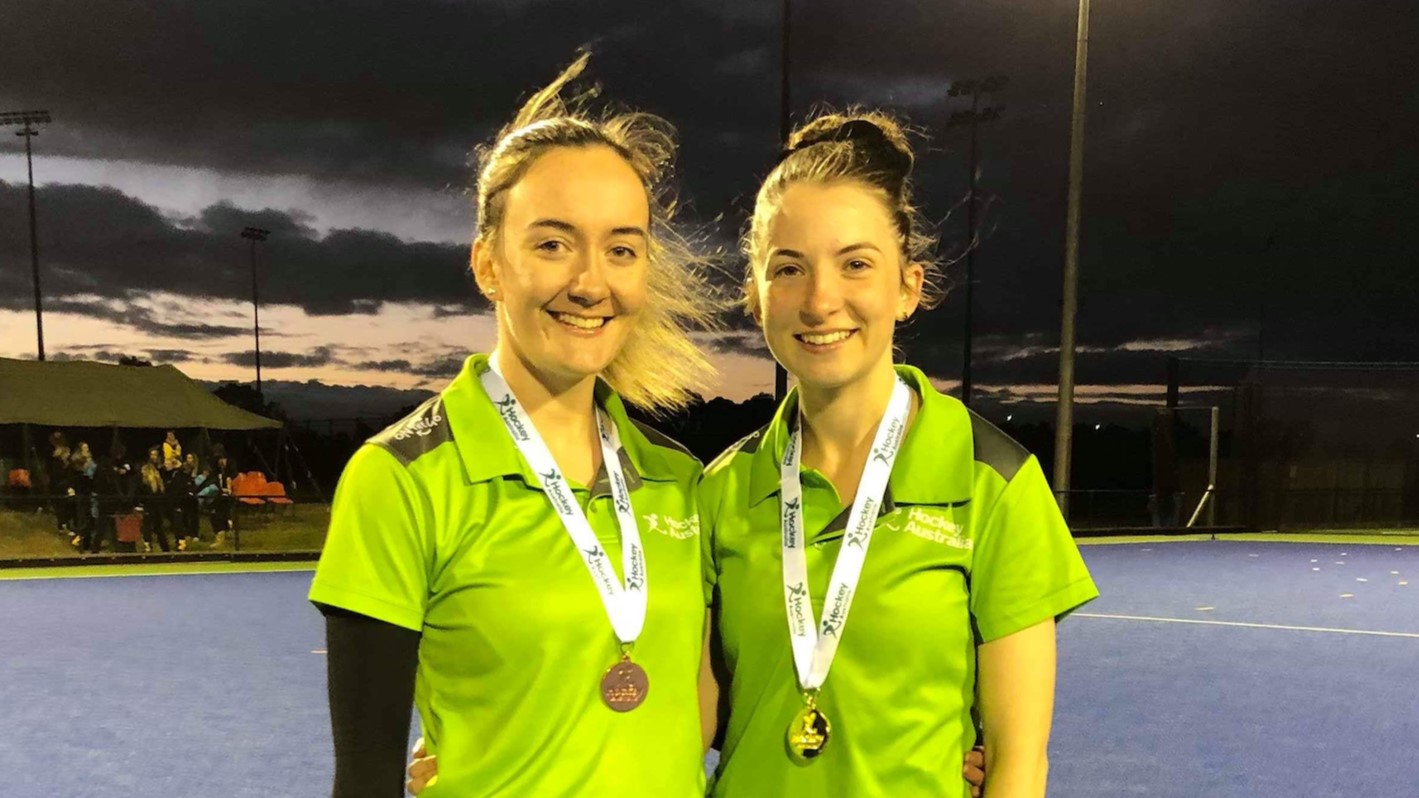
[(371, 673), (709, 692), (1017, 706)]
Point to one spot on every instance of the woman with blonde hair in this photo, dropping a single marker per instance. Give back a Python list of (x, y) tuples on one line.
[(487, 555), (150, 498)]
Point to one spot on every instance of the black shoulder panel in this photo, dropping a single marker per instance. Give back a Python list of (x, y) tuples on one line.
[(745, 445), (996, 449), (421, 431), (662, 440)]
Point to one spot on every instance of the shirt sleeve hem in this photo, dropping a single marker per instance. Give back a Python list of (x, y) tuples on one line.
[(379, 609), (1057, 606)]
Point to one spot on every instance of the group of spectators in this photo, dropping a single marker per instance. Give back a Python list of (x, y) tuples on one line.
[(169, 490)]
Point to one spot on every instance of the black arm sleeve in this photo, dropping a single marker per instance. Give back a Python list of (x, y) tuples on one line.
[(371, 672)]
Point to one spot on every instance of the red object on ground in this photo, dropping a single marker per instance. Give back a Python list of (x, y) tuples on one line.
[(129, 526)]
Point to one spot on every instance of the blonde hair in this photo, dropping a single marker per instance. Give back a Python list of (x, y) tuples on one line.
[(866, 147), (152, 477), (660, 365)]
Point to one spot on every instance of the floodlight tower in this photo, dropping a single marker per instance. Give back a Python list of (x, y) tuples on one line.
[(1064, 410), (254, 234), (973, 118), (26, 121)]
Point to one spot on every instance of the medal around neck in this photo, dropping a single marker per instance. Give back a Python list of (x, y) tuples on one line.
[(808, 733), (815, 645), (625, 684)]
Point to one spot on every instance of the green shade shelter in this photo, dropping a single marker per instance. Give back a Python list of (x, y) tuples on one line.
[(81, 393)]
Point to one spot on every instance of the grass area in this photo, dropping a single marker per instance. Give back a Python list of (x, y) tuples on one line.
[(300, 527), (31, 535)]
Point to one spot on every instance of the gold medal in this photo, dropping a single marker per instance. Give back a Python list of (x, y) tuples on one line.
[(624, 686), (808, 733)]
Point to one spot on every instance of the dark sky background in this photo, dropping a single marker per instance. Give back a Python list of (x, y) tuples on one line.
[(1245, 159)]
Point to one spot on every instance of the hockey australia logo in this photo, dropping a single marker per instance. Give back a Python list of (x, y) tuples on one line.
[(797, 608), (790, 523), (858, 536), (678, 528), (931, 525), (596, 558), (837, 612), (550, 482), (635, 580), (507, 408), (883, 453), (421, 427), (622, 494)]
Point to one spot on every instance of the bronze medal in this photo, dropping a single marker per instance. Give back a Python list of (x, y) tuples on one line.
[(808, 734), (624, 686)]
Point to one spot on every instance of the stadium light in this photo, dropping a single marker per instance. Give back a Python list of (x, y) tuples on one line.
[(254, 234), (26, 120), (973, 118), (1064, 419)]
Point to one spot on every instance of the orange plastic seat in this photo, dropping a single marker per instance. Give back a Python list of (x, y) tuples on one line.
[(246, 492), (276, 493)]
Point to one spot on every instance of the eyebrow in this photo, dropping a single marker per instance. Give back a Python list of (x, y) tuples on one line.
[(571, 229), (793, 253)]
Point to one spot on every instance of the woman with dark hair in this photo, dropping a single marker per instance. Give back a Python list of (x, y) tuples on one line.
[(81, 489), (179, 506), (872, 492), (219, 493), (60, 481)]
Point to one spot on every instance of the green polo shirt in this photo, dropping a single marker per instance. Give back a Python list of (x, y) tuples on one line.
[(970, 547), (438, 527)]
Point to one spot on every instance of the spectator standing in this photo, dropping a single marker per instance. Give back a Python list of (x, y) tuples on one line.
[(81, 491), (151, 500), (60, 480), (222, 501), (176, 493), (172, 452), (110, 498)]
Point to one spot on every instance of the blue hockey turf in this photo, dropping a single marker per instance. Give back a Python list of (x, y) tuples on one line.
[(214, 684)]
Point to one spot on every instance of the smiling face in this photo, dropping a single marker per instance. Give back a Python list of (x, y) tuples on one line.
[(833, 284), (568, 265)]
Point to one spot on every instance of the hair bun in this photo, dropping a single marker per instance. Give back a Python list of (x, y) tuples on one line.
[(889, 155)]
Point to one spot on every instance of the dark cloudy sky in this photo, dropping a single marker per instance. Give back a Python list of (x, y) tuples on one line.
[(1245, 158)]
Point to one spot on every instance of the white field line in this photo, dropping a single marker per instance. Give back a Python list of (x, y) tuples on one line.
[(1243, 624)]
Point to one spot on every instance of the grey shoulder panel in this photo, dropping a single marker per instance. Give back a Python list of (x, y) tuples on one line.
[(750, 443), (658, 438), (996, 449), (420, 432)]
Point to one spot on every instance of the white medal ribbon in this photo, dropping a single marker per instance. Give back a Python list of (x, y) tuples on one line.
[(625, 605), (815, 645)]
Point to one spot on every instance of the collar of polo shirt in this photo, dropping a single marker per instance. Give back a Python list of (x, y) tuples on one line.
[(939, 437), (487, 452)]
